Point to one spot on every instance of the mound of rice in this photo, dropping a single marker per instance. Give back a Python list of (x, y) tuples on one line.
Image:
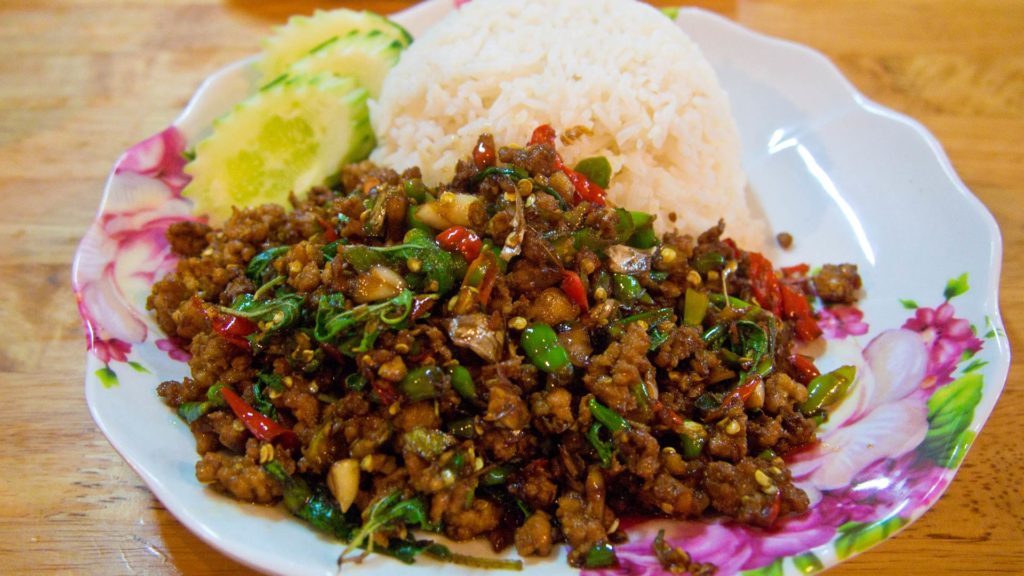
[(619, 68)]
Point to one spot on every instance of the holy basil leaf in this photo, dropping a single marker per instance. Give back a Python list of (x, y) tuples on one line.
[(260, 262), (279, 312)]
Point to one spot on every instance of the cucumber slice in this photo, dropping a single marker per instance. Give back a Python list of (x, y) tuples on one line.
[(366, 56), (287, 137), (303, 34)]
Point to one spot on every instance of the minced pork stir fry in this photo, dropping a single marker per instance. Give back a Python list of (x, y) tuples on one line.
[(504, 357)]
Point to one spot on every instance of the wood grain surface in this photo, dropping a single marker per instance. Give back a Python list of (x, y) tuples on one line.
[(80, 81)]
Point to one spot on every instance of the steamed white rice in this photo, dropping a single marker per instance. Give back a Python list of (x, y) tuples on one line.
[(620, 68)]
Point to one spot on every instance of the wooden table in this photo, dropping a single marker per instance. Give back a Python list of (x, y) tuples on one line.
[(82, 80)]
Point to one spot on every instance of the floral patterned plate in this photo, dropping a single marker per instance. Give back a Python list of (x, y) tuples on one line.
[(850, 180)]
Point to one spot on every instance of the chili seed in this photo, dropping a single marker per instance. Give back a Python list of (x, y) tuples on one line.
[(762, 479), (732, 428), (668, 255), (265, 453), (517, 323), (693, 277)]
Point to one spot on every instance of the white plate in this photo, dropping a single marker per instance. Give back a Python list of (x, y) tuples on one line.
[(851, 180)]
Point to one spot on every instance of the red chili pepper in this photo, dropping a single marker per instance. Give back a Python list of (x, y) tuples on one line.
[(668, 416), (796, 307), (420, 306), (263, 428), (805, 368), (780, 299), (461, 239), (585, 189), (234, 329), (764, 283), (572, 285), (330, 234), (744, 391), (797, 270), (490, 275), (483, 154), (732, 246), (385, 391), (543, 134)]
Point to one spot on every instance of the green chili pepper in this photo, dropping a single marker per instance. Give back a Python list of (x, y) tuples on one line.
[(417, 237), (355, 382), (827, 389), (462, 382), (597, 169), (464, 428), (192, 411), (692, 439), (495, 476), (542, 347), (604, 449), (695, 307), (423, 383), (429, 444), (658, 276), (413, 222), (643, 238), (709, 261), (601, 555), (767, 454), (607, 416), (416, 190), (626, 288), (259, 263), (715, 335), (589, 239), (624, 226)]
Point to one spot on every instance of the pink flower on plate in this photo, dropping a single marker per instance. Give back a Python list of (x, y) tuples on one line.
[(173, 350), (732, 547), (125, 250), (946, 338), (838, 322), (160, 156), (882, 418)]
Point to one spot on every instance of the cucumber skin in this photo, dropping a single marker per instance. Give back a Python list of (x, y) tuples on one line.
[(303, 34), (209, 168)]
